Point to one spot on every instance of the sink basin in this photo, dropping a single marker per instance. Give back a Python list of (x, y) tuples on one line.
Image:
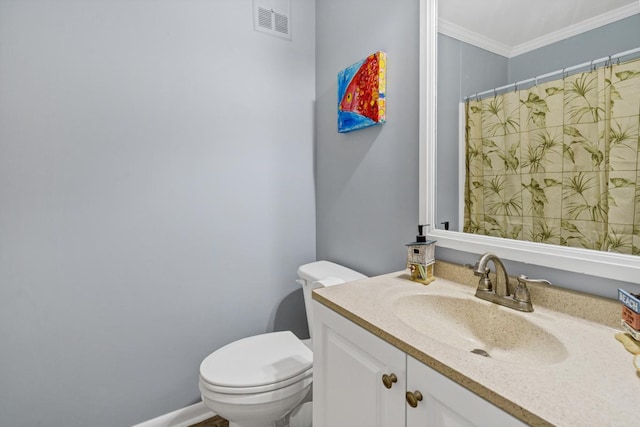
[(481, 327)]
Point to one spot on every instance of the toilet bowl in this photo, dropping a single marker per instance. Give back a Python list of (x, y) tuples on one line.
[(258, 381)]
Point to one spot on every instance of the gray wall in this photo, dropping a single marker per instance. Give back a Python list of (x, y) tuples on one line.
[(156, 199), (462, 69), (607, 40), (366, 180)]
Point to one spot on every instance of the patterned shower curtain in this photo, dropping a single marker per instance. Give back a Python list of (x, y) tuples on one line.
[(558, 162)]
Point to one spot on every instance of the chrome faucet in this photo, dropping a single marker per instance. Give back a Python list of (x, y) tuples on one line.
[(520, 299)]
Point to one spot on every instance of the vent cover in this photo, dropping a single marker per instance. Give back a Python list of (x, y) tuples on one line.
[(272, 17)]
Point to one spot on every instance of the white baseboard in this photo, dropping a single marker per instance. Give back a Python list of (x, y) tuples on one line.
[(183, 417)]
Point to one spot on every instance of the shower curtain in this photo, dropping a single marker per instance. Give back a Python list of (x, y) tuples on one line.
[(558, 162)]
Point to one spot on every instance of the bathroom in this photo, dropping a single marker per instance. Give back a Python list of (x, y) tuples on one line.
[(164, 170)]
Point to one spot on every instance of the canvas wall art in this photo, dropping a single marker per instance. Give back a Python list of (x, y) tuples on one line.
[(361, 93)]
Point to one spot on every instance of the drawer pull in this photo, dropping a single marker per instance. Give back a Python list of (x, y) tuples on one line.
[(413, 398), (388, 380)]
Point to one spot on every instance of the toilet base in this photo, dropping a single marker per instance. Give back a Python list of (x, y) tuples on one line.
[(261, 414), (232, 424), (302, 415), (299, 417)]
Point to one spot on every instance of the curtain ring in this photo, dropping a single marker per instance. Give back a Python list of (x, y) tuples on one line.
[(494, 93), (563, 73), (592, 67), (536, 80)]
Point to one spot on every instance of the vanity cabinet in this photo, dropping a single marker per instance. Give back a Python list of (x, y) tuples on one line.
[(361, 380), (446, 403), (348, 366)]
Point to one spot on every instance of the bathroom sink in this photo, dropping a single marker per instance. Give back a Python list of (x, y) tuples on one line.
[(477, 326)]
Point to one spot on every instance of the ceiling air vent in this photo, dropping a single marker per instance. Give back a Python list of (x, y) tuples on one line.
[(273, 17)]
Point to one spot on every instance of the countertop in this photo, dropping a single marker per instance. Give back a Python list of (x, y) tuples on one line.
[(593, 384)]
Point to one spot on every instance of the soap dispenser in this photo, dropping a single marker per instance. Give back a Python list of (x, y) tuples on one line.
[(421, 258)]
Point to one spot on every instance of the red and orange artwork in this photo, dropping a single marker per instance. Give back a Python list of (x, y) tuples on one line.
[(361, 93)]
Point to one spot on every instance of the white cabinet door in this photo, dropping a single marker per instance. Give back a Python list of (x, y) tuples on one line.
[(448, 404), (349, 363)]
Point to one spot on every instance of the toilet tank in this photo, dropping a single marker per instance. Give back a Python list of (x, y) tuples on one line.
[(320, 274)]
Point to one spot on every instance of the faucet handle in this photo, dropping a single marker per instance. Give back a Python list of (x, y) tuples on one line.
[(524, 279), (522, 292), (484, 284)]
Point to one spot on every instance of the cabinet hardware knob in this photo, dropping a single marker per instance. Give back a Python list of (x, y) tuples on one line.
[(413, 398), (388, 380)]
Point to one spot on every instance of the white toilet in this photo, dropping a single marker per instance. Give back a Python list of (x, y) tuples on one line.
[(258, 381)]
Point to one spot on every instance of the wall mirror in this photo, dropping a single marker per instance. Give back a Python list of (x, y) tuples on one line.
[(470, 47)]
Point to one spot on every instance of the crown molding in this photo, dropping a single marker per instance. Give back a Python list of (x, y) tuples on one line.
[(457, 32), (579, 28)]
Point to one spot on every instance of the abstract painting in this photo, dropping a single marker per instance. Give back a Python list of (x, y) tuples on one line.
[(361, 93)]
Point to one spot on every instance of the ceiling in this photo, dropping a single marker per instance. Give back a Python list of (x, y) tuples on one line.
[(516, 26)]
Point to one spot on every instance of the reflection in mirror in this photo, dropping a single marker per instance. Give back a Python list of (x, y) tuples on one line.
[(538, 44), (556, 162)]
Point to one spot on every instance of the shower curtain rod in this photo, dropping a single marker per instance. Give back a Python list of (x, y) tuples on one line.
[(604, 59)]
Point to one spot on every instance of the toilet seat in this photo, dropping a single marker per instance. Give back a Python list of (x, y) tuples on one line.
[(257, 364), (256, 389), (257, 398)]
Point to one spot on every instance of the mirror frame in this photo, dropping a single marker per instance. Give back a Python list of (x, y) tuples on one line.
[(595, 263)]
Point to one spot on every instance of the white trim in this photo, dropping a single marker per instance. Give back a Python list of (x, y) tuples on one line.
[(594, 263), (428, 105), (462, 164), (182, 417), (600, 264), (575, 29), (459, 33)]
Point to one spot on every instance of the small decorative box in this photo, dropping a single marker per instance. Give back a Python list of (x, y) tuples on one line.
[(629, 300), (631, 317), (635, 334), (421, 252)]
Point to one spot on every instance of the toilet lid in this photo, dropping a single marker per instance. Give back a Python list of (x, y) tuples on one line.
[(256, 361)]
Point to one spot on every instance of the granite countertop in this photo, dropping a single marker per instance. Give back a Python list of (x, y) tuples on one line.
[(590, 382)]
